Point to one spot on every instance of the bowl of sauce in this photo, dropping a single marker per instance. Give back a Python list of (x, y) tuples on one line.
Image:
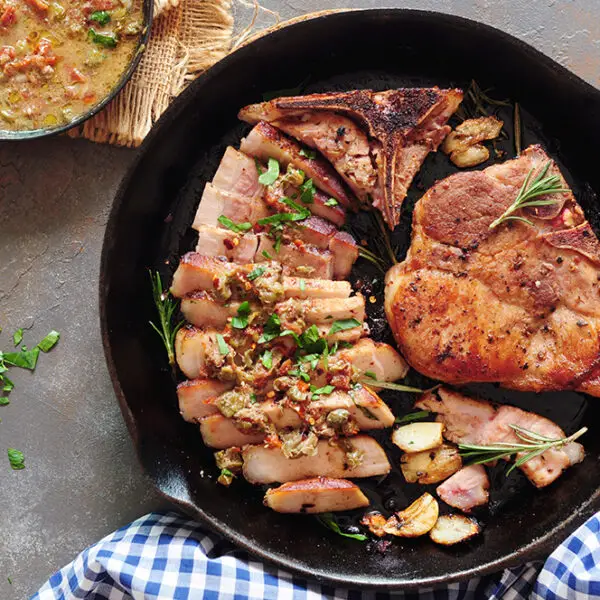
[(61, 61)]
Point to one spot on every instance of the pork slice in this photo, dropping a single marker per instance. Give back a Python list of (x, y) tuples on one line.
[(541, 470), (265, 141), (318, 495), (298, 287), (325, 310), (220, 432), (239, 209), (367, 409), (464, 417), (237, 173), (466, 489), (470, 421), (269, 465), (344, 144), (202, 310), (216, 241), (376, 140), (314, 230), (196, 397), (304, 261), (345, 252), (377, 358), (196, 350), (199, 272)]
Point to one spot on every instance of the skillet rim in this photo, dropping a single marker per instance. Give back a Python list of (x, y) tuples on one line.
[(538, 547)]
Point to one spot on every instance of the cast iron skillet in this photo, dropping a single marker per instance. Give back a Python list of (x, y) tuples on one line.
[(28, 134), (148, 228)]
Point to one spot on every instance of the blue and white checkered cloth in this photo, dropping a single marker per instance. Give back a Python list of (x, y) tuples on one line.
[(165, 556)]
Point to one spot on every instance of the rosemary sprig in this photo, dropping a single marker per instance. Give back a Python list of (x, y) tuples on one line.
[(386, 238), (518, 129), (476, 102), (372, 258), (541, 185), (166, 308), (388, 385), (533, 444)]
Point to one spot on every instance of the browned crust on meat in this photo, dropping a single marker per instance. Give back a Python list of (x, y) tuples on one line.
[(317, 484)]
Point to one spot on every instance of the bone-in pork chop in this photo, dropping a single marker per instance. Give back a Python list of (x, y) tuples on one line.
[(376, 141), (518, 303)]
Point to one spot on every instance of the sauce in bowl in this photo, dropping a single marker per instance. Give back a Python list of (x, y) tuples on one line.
[(59, 58)]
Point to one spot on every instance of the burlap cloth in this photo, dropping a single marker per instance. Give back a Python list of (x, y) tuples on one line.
[(187, 37)]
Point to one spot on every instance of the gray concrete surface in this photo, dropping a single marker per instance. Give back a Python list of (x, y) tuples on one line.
[(82, 480)]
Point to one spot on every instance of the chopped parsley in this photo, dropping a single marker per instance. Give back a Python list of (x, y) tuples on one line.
[(331, 202), (322, 391), (256, 273), (271, 330), (267, 255), (108, 40), (24, 358), (269, 177), (307, 191), (18, 336), (343, 325), (101, 17), (328, 520), (302, 285), (235, 227), (241, 320), (16, 459), (49, 341), (301, 374), (416, 416), (223, 347), (370, 374), (267, 359), (310, 154)]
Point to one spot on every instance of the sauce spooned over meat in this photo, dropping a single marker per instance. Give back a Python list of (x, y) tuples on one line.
[(58, 58)]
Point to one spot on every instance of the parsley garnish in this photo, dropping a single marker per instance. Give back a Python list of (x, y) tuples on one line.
[(267, 255), (256, 273), (322, 391), (16, 459), (267, 359), (49, 341), (109, 40), (310, 154), (18, 336), (370, 374), (101, 17), (302, 285), (307, 191), (328, 521), (269, 177), (235, 227), (331, 202), (271, 330), (223, 347), (343, 325), (241, 320), (416, 416)]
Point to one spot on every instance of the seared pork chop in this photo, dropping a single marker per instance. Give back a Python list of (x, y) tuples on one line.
[(376, 141), (518, 303)]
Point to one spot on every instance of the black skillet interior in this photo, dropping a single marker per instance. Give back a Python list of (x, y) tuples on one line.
[(149, 228)]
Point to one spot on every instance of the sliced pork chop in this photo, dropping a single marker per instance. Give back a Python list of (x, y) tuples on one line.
[(517, 304), (197, 396), (265, 141), (217, 241), (319, 495), (470, 421), (376, 140), (269, 465), (238, 174), (240, 209), (466, 489)]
